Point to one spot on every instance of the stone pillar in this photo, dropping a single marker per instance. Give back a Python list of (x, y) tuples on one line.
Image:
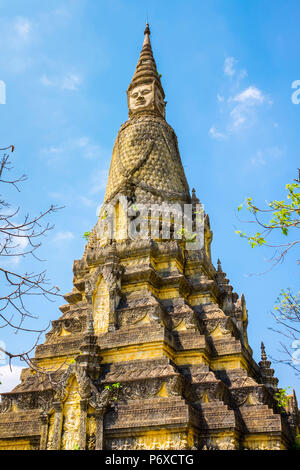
[(57, 425), (112, 312), (82, 426), (99, 429), (44, 431)]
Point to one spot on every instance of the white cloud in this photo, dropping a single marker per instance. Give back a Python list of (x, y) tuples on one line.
[(20, 247), (17, 247), (22, 27), (90, 150), (87, 202), (54, 150), (9, 378), (258, 159), (240, 109), (20, 244), (16, 36), (63, 236), (250, 96), (82, 146), (62, 12), (238, 116), (69, 82), (46, 81), (266, 156), (99, 181), (229, 64), (243, 114), (242, 74), (215, 134)]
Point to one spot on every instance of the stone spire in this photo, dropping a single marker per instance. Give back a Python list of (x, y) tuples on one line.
[(145, 87), (266, 372), (263, 353), (221, 276), (146, 166)]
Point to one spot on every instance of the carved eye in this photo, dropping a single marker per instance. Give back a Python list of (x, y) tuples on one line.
[(145, 92), (134, 95)]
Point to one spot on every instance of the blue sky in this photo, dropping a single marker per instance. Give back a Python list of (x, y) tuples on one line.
[(227, 68)]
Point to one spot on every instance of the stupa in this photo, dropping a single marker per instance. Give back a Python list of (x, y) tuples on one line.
[(151, 349)]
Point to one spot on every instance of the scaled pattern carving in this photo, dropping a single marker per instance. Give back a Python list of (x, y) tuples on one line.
[(145, 143)]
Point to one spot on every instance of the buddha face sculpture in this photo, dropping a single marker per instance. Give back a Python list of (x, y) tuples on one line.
[(144, 97), (141, 97)]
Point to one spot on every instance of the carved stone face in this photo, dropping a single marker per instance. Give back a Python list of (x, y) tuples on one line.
[(140, 97)]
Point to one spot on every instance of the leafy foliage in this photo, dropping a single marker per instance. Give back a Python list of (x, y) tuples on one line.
[(114, 388), (284, 216), (186, 235), (87, 235), (280, 217), (282, 398)]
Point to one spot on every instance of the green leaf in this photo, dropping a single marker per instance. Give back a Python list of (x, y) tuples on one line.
[(86, 235)]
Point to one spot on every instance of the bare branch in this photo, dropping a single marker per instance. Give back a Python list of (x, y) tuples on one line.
[(21, 238)]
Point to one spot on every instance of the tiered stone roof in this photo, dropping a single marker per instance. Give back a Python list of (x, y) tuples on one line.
[(151, 349)]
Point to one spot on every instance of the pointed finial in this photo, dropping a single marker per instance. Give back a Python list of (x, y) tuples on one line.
[(146, 75), (193, 194), (219, 265), (266, 372), (195, 200), (90, 325), (263, 352), (147, 36)]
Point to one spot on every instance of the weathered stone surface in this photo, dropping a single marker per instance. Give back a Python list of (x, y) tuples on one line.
[(151, 350)]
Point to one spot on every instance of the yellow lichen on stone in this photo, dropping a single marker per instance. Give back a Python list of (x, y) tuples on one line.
[(71, 418), (50, 431), (64, 332), (101, 307), (163, 392), (15, 444)]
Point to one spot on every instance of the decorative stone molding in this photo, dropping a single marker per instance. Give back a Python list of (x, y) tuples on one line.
[(62, 326), (220, 443), (251, 396), (111, 271), (168, 441), (206, 392), (6, 404)]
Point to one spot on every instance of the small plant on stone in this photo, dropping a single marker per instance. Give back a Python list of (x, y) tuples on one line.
[(282, 398), (114, 388), (186, 235), (86, 235)]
